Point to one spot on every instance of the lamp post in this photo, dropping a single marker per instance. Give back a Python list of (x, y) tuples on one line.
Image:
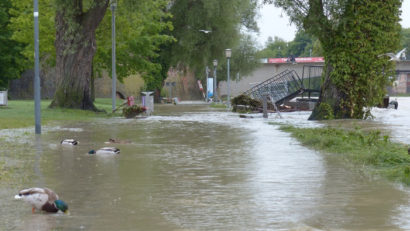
[(215, 62), (207, 87), (114, 76), (228, 54), (37, 89)]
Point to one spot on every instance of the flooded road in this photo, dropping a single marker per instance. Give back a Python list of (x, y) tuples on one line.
[(194, 168)]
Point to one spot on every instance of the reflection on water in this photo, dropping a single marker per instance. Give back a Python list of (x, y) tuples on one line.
[(191, 168)]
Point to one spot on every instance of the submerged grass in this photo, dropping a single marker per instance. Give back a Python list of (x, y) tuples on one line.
[(217, 105), (371, 150), (20, 113)]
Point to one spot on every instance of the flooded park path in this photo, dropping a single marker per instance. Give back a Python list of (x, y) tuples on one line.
[(195, 168)]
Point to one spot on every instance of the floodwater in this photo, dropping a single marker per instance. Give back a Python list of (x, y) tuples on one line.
[(195, 168)]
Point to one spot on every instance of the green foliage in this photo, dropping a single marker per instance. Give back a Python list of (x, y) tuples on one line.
[(324, 112), (224, 18), (138, 33), (277, 48), (365, 149), (139, 36), (11, 60), (303, 45), (244, 60), (405, 41), (352, 34), (22, 26), (359, 74)]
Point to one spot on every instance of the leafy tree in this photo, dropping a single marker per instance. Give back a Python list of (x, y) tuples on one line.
[(205, 28), (301, 46), (244, 59), (138, 37), (405, 41), (21, 23), (11, 61), (317, 50), (76, 34), (353, 33), (276, 48)]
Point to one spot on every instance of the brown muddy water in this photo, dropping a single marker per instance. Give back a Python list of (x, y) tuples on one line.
[(195, 168)]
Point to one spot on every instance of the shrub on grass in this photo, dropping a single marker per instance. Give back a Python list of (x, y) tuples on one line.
[(132, 111)]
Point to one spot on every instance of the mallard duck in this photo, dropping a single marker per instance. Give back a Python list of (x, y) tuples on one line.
[(42, 199), (105, 150), (69, 142)]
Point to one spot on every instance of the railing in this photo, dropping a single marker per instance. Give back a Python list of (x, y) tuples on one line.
[(283, 86)]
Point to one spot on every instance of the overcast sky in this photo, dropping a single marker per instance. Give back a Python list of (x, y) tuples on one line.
[(274, 22)]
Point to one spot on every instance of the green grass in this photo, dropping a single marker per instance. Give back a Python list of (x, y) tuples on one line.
[(217, 105), (369, 150), (20, 113)]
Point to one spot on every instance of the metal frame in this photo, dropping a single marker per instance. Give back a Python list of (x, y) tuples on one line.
[(283, 86)]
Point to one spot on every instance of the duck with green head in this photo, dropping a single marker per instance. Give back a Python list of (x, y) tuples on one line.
[(42, 199)]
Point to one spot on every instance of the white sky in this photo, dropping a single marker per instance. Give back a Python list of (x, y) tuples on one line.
[(274, 22)]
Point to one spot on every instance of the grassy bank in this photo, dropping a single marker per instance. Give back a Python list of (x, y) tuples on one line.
[(20, 113), (370, 150)]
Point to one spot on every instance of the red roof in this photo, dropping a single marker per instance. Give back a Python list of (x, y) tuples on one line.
[(298, 60)]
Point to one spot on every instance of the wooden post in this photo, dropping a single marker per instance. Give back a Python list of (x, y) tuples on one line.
[(265, 106)]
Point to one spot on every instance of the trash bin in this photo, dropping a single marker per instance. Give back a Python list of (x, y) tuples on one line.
[(147, 101), (3, 98)]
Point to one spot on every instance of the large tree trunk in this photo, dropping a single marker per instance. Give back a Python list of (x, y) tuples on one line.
[(75, 48), (329, 100)]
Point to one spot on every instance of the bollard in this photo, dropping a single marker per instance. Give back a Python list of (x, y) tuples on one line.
[(265, 106)]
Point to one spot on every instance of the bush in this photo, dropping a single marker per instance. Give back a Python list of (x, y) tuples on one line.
[(132, 111), (247, 102)]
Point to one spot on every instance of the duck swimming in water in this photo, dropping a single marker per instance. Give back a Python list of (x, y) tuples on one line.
[(43, 199), (105, 150), (69, 142)]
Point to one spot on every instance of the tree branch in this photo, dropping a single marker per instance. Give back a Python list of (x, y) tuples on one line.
[(93, 17)]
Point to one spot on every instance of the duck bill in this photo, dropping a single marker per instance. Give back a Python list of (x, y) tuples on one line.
[(67, 212)]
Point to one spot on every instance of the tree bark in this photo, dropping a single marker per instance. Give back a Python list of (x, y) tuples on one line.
[(328, 105), (75, 48), (92, 87)]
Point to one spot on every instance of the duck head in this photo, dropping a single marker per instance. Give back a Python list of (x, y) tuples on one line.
[(61, 205), (92, 151)]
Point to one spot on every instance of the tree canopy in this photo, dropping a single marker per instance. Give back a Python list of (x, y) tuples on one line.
[(71, 32), (11, 60), (205, 28), (303, 45), (83, 28), (405, 41), (138, 34)]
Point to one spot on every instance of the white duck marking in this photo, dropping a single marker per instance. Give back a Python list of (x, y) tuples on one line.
[(69, 142)]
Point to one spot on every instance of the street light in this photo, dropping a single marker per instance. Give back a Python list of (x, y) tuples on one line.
[(37, 98), (228, 54), (114, 76), (215, 62)]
